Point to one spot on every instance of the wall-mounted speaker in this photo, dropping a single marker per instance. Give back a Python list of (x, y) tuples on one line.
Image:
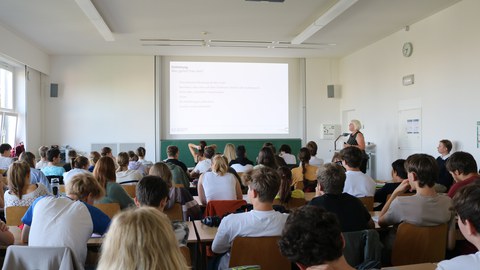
[(54, 90), (331, 91)]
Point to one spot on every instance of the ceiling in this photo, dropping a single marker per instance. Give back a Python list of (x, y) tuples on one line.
[(59, 27)]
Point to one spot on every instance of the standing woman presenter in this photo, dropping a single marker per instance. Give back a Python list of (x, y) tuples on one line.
[(356, 139)]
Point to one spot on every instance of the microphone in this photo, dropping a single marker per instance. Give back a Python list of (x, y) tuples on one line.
[(335, 142)]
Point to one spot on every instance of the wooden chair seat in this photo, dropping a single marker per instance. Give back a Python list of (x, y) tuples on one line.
[(14, 215), (293, 203), (368, 202), (263, 251), (110, 209), (175, 212)]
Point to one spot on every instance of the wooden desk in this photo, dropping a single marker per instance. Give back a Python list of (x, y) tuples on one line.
[(205, 235), (420, 266), (192, 235)]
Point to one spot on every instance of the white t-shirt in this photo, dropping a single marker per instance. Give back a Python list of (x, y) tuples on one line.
[(68, 175), (254, 224), (239, 168), (359, 184), (465, 262), (289, 158), (316, 161), (203, 166), (218, 187), (128, 175)]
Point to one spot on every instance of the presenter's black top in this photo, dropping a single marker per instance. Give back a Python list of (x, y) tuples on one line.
[(352, 140)]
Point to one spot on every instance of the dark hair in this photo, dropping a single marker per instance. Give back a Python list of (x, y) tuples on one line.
[(312, 147), (265, 181), (141, 151), (123, 159), (466, 203), (448, 144), (81, 162), (331, 177), (132, 156), (352, 156), (271, 146), (43, 151), (462, 162), (304, 157), (104, 171), (266, 157), (202, 145), (209, 152), (285, 148), (151, 190), (105, 151), (29, 158), (172, 150), (241, 151), (425, 167), (285, 192), (5, 147), (52, 153), (398, 166), (311, 236)]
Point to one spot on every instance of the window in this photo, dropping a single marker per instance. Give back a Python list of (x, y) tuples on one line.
[(8, 115)]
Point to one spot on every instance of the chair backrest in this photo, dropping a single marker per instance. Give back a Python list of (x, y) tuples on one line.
[(419, 244), (186, 254), (110, 209), (14, 215), (131, 190), (175, 212), (28, 257), (179, 185), (263, 251), (222, 207), (368, 202), (293, 203)]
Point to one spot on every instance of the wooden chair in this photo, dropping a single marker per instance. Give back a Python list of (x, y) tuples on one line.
[(179, 185), (419, 244), (110, 209), (261, 251), (186, 253), (174, 213), (131, 190), (14, 215), (368, 202), (293, 203)]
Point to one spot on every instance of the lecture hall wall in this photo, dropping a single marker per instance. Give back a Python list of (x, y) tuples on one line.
[(95, 103)]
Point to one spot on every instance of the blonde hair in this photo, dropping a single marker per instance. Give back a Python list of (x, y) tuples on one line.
[(229, 152), (141, 238), (356, 124), (82, 185), (161, 169), (220, 165), (18, 177)]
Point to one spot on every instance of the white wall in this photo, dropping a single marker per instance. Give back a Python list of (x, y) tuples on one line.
[(102, 99), (445, 62)]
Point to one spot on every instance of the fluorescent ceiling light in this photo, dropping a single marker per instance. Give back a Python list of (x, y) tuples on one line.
[(323, 20), (97, 20)]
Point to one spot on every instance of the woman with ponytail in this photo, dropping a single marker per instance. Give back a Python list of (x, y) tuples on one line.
[(305, 176), (285, 192)]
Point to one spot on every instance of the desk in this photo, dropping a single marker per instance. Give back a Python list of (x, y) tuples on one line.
[(420, 266), (205, 236)]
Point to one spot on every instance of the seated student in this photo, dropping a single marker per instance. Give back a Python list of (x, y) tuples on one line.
[(43, 162), (36, 176), (5, 156), (135, 164), (285, 193), (357, 184), (124, 174), (153, 191), (229, 152), (191, 209), (72, 155), (263, 184), (466, 203), (278, 160), (80, 166), (351, 213), (426, 207), (94, 157), (197, 151), (53, 168), (104, 172), (141, 152), (241, 163), (313, 148), (158, 249), (305, 176), (205, 164), (107, 152), (218, 184), (266, 158), (463, 167), (286, 154), (172, 157), (398, 175), (66, 221), (445, 180), (312, 239)]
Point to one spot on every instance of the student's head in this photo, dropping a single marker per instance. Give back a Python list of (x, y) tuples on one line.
[(229, 152), (202, 145), (352, 156), (466, 203), (152, 191), (72, 154), (312, 147), (285, 148), (141, 238), (264, 181), (29, 158), (4, 148), (84, 187), (161, 169), (106, 151), (304, 155), (461, 163), (53, 154), (398, 168), (311, 236), (132, 156), (337, 157), (354, 125), (241, 151), (266, 157), (81, 162), (422, 168), (208, 152), (104, 171), (285, 183), (271, 146), (172, 151), (331, 177), (42, 151), (141, 152), (444, 146), (219, 165), (94, 157), (123, 159), (18, 176)]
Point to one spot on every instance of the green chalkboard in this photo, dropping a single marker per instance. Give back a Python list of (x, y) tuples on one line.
[(252, 146)]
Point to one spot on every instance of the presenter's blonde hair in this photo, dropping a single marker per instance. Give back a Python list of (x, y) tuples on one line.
[(141, 238), (356, 124)]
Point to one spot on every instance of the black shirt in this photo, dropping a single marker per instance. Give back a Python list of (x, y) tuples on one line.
[(178, 163)]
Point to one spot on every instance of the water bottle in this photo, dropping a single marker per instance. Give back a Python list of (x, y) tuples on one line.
[(55, 187)]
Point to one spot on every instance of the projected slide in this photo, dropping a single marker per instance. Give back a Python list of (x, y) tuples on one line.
[(228, 98)]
